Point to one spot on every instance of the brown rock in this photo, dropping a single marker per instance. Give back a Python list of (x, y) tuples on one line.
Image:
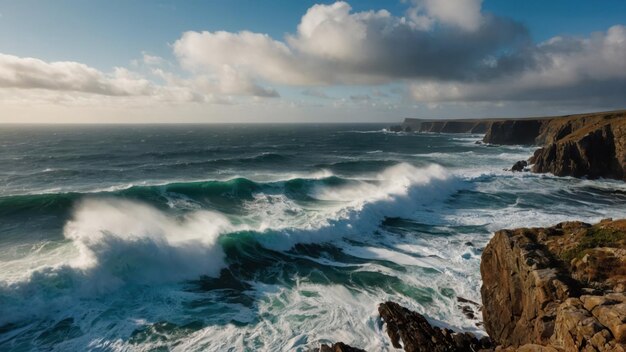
[(519, 131), (532, 285), (417, 335), (521, 289), (338, 347)]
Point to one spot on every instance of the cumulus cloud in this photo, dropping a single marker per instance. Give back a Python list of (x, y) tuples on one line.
[(442, 50), (68, 82), (465, 14), (334, 45), (30, 73), (445, 50), (560, 69)]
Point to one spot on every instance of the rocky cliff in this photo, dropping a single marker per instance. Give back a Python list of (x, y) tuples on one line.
[(585, 145), (591, 145), (560, 287), (443, 126), (514, 131), (553, 289)]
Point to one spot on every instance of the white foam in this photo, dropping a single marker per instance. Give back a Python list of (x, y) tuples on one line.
[(358, 208), (118, 242)]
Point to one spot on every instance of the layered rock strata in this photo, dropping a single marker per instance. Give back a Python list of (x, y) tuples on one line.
[(560, 287)]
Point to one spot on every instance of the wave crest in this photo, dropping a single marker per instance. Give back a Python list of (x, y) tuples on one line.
[(120, 241)]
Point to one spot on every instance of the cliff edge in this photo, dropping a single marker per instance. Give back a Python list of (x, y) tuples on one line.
[(584, 145), (560, 287), (590, 146)]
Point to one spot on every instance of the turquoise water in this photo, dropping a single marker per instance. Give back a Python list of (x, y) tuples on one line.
[(255, 237)]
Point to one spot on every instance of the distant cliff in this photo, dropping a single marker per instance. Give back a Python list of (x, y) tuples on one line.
[(443, 126), (586, 145)]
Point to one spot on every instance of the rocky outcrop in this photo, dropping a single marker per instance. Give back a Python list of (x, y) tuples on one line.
[(519, 166), (560, 287), (585, 145), (592, 146), (337, 347), (416, 333), (455, 126), (443, 126), (513, 131), (554, 289)]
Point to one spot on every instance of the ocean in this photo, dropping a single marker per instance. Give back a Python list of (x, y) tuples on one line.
[(254, 237)]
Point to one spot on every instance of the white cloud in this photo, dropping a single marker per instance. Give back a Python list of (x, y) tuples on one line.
[(334, 45), (442, 50), (465, 14), (559, 69), (152, 60), (30, 73)]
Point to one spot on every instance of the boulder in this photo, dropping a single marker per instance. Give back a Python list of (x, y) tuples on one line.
[(418, 335), (337, 347), (519, 166)]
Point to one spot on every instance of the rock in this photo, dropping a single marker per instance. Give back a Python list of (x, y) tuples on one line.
[(522, 131), (590, 152), (469, 308), (337, 347), (585, 145), (418, 335), (521, 289), (519, 166), (588, 145), (444, 126), (539, 296)]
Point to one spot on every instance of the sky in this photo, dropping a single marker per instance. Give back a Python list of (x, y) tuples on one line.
[(117, 61)]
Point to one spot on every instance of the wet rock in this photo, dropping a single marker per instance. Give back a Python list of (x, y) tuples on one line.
[(519, 166), (337, 347), (469, 308), (417, 334)]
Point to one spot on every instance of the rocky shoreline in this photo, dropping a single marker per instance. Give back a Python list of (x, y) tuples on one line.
[(585, 145), (560, 288), (552, 289)]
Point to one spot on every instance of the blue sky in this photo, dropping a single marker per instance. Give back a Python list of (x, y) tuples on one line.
[(105, 35)]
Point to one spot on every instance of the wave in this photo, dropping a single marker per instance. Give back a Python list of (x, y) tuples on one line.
[(144, 219), (140, 237), (357, 207), (113, 243)]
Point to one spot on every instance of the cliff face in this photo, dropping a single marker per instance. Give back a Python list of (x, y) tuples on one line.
[(554, 289), (513, 132), (455, 126), (585, 145), (560, 287), (592, 146), (443, 126)]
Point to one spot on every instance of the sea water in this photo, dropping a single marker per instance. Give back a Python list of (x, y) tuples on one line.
[(254, 237)]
